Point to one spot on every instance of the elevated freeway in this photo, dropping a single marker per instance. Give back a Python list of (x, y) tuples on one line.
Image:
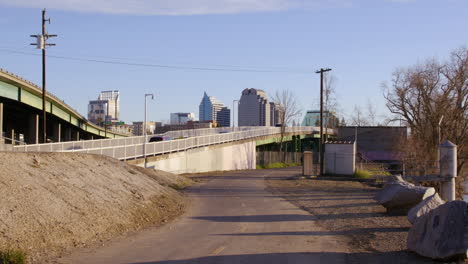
[(20, 115)]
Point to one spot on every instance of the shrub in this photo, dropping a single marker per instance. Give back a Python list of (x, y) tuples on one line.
[(12, 256), (277, 165), (362, 174)]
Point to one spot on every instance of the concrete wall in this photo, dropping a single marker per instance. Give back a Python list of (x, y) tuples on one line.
[(340, 158), (206, 159)]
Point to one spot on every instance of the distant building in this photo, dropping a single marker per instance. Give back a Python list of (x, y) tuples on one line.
[(150, 128), (276, 114), (121, 128), (223, 117), (188, 125), (181, 118), (254, 108), (312, 118), (97, 110), (210, 108), (105, 108)]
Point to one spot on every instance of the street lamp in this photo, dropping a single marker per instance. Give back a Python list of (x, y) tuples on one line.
[(144, 128), (233, 114)]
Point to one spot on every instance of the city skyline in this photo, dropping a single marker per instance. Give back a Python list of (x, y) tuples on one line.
[(223, 50)]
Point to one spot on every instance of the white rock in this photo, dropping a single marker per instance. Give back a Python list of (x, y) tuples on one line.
[(400, 196), (442, 233), (424, 207)]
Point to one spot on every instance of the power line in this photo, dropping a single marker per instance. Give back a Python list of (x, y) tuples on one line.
[(114, 62), (152, 59)]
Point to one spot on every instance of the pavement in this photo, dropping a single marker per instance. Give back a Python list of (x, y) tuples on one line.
[(230, 219)]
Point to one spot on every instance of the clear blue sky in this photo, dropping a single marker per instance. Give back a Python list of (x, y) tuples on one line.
[(363, 41)]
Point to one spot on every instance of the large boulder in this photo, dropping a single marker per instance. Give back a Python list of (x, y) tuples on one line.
[(442, 233), (398, 197), (424, 207)]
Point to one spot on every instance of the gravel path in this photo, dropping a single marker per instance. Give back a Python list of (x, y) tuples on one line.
[(232, 219), (347, 210)]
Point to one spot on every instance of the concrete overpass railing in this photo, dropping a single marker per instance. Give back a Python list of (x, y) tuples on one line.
[(136, 147)]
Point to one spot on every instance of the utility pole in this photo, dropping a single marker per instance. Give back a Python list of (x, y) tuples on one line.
[(41, 43), (321, 119), (144, 128)]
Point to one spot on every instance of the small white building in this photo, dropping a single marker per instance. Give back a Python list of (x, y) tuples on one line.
[(340, 157)]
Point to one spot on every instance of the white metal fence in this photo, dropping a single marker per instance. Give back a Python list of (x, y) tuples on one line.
[(135, 147)]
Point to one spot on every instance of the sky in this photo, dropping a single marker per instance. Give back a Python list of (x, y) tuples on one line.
[(177, 49)]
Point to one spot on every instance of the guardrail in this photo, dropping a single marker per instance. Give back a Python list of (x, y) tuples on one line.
[(132, 148)]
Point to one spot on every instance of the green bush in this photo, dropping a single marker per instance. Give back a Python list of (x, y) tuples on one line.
[(362, 174), (277, 165), (11, 256)]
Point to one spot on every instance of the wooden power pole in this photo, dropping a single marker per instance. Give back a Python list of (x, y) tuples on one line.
[(321, 148), (41, 43)]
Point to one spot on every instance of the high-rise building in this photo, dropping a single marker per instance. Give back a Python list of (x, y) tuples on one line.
[(223, 117), (105, 108), (254, 108), (181, 118), (276, 114), (210, 108)]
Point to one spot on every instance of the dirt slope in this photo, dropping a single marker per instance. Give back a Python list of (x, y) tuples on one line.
[(53, 202)]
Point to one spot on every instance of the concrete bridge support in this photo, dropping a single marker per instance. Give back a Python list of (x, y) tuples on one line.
[(206, 159), (33, 130), (1, 123), (68, 134), (57, 132), (12, 136)]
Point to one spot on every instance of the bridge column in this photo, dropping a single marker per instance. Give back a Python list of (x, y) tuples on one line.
[(68, 134), (33, 130), (12, 136), (57, 135), (1, 123), (77, 138)]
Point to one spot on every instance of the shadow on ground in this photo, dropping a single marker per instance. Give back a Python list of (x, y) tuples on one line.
[(301, 257)]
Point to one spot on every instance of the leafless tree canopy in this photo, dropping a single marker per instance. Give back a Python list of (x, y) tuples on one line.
[(358, 117), (290, 107), (330, 103), (290, 110), (422, 94)]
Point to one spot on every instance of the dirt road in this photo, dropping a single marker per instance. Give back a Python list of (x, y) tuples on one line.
[(232, 219)]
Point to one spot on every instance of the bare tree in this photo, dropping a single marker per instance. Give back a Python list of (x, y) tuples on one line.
[(289, 110), (371, 113), (422, 94), (358, 118)]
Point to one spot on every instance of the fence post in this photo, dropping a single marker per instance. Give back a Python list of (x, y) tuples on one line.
[(448, 169)]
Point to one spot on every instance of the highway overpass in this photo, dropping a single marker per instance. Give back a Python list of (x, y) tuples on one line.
[(21, 115)]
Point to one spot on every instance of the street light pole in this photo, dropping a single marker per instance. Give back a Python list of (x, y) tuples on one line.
[(321, 119), (144, 129), (233, 114), (105, 119)]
